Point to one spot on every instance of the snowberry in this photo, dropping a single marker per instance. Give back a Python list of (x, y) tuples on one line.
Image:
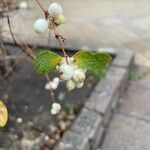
[(55, 10), (56, 80), (70, 85), (53, 111), (51, 85), (40, 26), (66, 71), (23, 5), (19, 120), (78, 75), (79, 85), (47, 86), (56, 107), (59, 20)]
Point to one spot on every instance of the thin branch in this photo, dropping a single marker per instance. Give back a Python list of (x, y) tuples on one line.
[(11, 69), (24, 47), (51, 91), (41, 6)]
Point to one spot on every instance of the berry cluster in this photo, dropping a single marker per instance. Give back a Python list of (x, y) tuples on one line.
[(52, 84), (56, 18), (71, 73), (56, 107)]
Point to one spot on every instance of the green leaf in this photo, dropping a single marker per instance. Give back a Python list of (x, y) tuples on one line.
[(46, 61), (91, 60)]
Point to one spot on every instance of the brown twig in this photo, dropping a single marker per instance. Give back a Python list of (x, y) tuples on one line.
[(23, 47), (41, 6)]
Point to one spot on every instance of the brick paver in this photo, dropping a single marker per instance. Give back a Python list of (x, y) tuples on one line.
[(130, 128), (127, 133)]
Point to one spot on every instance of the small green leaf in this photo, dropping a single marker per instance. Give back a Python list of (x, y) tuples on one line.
[(91, 60), (46, 61)]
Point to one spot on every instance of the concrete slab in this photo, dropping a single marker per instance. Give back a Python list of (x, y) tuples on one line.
[(136, 102), (127, 133), (103, 23)]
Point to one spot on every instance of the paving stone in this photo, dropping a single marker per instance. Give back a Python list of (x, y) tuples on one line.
[(72, 141), (89, 125), (115, 77), (142, 22), (106, 118), (99, 102), (142, 59), (124, 59), (108, 89), (136, 101), (106, 94), (127, 133), (144, 80)]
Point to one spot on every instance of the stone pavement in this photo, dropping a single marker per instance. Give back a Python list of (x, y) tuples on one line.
[(94, 24), (130, 127)]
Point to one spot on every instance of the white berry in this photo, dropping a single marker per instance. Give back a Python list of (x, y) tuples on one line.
[(70, 85), (66, 71), (23, 5), (79, 85), (40, 26), (55, 10), (56, 80), (19, 120), (54, 86), (78, 75), (51, 85), (47, 86), (56, 107), (53, 111), (59, 20)]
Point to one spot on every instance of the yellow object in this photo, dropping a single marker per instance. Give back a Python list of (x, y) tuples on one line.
[(60, 20), (3, 114)]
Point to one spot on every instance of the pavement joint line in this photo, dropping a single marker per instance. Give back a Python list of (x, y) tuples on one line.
[(133, 116)]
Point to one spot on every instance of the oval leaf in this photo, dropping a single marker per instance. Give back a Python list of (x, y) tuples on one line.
[(3, 114), (91, 60), (46, 61)]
